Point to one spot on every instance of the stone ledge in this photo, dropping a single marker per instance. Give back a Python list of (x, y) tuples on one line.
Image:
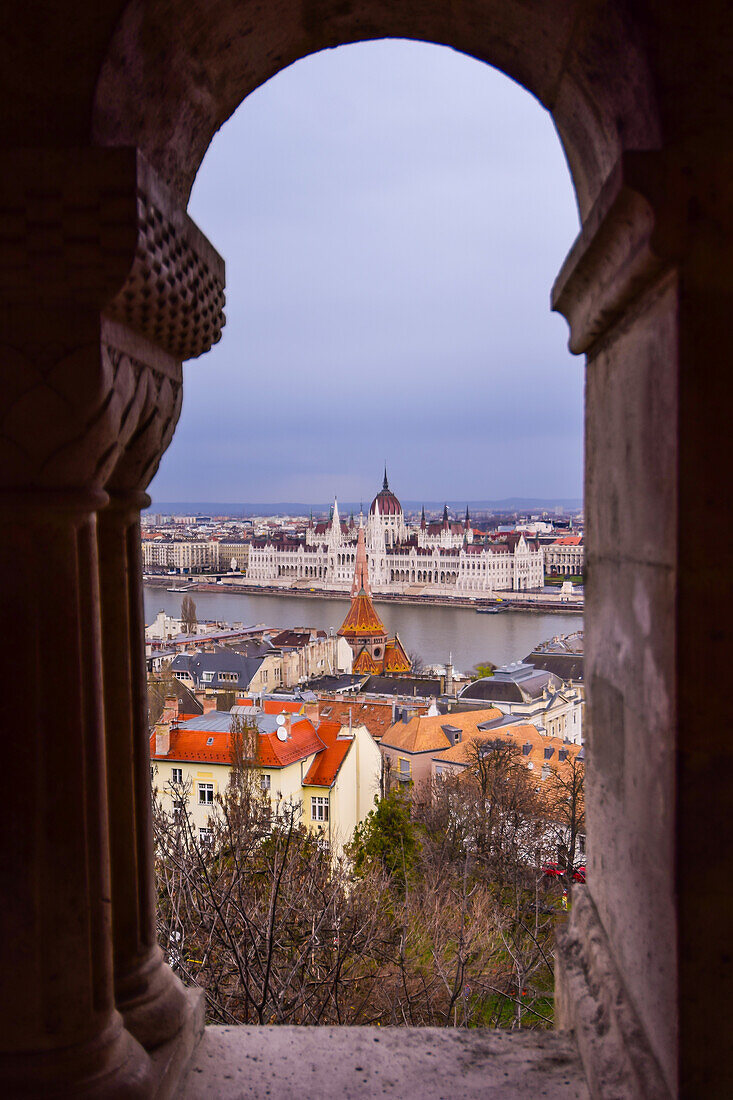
[(430, 1063)]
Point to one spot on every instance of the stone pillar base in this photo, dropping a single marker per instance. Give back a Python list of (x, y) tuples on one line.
[(112, 1066), (152, 1001), (590, 1000), (171, 1060)]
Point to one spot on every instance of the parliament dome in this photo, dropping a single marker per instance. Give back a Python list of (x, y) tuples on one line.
[(385, 502)]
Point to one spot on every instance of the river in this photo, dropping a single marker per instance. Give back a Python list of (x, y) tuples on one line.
[(431, 631)]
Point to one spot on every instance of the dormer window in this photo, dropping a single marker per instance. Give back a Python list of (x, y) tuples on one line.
[(210, 741)]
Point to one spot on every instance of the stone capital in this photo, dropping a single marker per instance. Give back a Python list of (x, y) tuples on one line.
[(655, 213)]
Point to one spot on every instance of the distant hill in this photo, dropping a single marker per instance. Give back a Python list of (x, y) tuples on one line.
[(297, 508)]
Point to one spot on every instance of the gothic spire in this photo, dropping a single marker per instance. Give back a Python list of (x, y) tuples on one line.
[(361, 567), (468, 519), (445, 515), (385, 484), (422, 518)]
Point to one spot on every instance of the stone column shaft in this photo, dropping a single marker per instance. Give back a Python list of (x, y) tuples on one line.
[(152, 1000), (58, 1013)]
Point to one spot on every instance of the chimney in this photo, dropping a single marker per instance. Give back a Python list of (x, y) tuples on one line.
[(209, 703), (312, 712), (162, 739), (170, 710)]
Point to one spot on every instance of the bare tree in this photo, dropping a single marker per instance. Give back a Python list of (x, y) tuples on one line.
[(455, 930), (417, 664), (565, 811), (188, 614)]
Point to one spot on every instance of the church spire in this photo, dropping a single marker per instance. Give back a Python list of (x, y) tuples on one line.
[(385, 484), (422, 518), (361, 568), (445, 515), (468, 519)]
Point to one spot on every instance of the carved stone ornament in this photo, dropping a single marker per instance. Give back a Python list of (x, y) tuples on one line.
[(106, 286)]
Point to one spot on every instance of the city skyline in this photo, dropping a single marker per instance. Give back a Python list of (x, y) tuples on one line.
[(393, 216)]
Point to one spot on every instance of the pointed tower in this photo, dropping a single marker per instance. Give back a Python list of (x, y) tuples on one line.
[(361, 568), (334, 533), (423, 524), (385, 483), (373, 651), (467, 521), (445, 517)]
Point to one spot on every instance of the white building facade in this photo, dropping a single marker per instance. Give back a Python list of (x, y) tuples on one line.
[(442, 558)]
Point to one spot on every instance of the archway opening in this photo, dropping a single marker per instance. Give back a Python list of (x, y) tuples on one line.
[(384, 259)]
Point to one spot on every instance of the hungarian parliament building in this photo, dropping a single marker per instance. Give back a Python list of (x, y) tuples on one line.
[(440, 558)]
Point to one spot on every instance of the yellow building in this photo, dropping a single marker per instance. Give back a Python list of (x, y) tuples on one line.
[(331, 770)]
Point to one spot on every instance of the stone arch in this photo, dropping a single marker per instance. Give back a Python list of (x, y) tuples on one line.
[(176, 70), (647, 303)]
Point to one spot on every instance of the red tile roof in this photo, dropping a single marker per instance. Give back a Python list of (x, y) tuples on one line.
[(376, 716), (193, 745), (365, 663), (362, 618), (325, 767), (273, 706), (302, 742), (395, 658)]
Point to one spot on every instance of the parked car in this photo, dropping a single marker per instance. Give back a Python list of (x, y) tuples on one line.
[(556, 870)]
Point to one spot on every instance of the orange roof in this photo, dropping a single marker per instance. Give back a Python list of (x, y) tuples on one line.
[(325, 767), (568, 540), (377, 717), (523, 733), (193, 745), (362, 618), (302, 742), (364, 662), (273, 706), (395, 658), (425, 733)]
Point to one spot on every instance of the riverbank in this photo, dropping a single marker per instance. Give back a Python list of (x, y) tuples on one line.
[(435, 632), (543, 603)]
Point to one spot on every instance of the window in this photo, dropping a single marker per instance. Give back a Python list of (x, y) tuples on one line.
[(405, 769), (319, 808), (206, 836), (206, 794), (209, 740), (265, 782), (176, 775), (207, 677)]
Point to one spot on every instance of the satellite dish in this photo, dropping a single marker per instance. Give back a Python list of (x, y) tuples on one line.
[(282, 733), (280, 719)]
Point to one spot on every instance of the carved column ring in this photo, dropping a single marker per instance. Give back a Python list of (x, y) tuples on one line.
[(53, 502)]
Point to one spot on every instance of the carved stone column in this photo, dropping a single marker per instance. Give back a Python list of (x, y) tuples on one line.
[(76, 402), (66, 244), (643, 963), (151, 999), (169, 309)]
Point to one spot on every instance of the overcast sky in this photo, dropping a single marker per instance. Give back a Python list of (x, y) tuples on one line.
[(392, 216)]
